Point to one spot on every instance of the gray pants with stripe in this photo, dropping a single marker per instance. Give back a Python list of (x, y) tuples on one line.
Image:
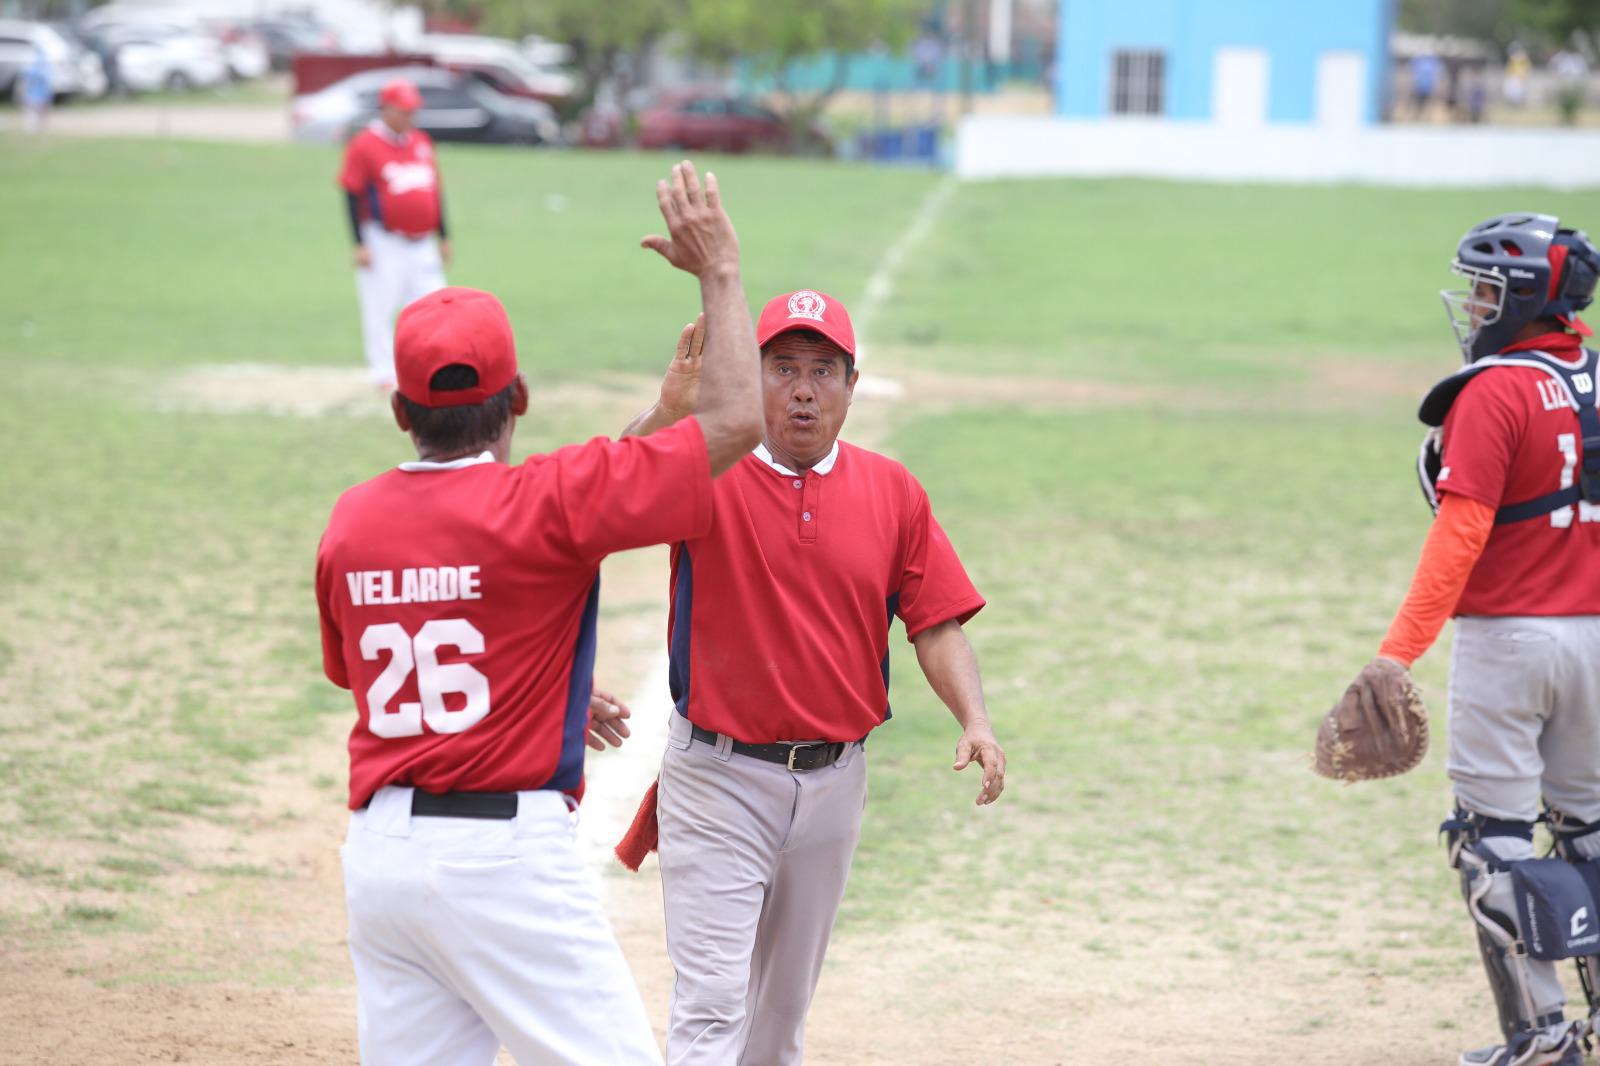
[(754, 860)]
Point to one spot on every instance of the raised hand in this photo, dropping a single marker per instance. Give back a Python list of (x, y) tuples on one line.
[(700, 237)]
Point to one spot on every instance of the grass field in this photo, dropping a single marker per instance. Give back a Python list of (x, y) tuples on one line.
[(1169, 427)]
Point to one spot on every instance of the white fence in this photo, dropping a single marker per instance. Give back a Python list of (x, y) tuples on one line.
[(1016, 147)]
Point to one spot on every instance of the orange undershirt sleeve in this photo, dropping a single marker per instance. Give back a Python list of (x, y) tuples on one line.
[(1459, 532)]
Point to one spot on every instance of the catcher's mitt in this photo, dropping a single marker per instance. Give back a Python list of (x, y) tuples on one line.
[(1379, 729)]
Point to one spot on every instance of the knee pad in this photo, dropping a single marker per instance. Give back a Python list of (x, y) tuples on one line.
[(1578, 842), (1490, 853)]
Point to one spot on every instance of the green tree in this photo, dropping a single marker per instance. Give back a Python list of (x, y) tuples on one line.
[(1557, 21), (771, 35), (1481, 20), (605, 36)]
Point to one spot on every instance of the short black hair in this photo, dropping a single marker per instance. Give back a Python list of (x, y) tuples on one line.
[(818, 338), (462, 428)]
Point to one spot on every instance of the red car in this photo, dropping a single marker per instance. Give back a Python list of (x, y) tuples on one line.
[(714, 120)]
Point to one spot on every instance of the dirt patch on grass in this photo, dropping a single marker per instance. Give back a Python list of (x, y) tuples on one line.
[(1327, 384), (324, 391), (1376, 378)]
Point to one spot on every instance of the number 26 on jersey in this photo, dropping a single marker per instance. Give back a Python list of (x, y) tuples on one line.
[(435, 680)]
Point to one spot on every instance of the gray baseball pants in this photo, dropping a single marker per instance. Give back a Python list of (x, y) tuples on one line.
[(754, 860), (1525, 716)]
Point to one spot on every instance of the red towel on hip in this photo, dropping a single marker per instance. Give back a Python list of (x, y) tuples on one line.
[(642, 836)]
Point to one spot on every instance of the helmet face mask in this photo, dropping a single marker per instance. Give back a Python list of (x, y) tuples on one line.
[(1472, 309)]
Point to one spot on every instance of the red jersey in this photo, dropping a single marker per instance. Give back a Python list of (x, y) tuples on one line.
[(1510, 436), (458, 603), (395, 178), (781, 612)]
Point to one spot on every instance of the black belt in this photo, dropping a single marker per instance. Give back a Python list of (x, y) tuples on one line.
[(500, 806), (800, 755)]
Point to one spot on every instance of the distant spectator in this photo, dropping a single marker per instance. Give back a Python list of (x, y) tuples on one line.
[(1425, 72), (1514, 89), (1571, 72), (1453, 76), (928, 54), (1477, 97), (38, 90)]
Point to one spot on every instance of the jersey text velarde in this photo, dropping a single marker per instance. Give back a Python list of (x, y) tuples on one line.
[(419, 584)]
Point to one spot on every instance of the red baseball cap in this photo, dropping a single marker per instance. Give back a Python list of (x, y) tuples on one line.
[(402, 94), (450, 326), (807, 309)]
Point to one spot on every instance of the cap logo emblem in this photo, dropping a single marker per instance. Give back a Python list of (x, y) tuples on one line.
[(807, 304)]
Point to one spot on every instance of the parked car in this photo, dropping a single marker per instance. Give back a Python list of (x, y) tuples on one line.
[(244, 52), (286, 38), (243, 48), (455, 107), (75, 71), (543, 52), (716, 120), (155, 56), (500, 64)]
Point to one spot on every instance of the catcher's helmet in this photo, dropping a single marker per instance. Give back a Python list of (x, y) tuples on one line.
[(1522, 268)]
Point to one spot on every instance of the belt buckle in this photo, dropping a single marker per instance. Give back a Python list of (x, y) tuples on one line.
[(804, 745)]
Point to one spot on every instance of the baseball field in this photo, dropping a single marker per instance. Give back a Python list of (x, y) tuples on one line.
[(1170, 429)]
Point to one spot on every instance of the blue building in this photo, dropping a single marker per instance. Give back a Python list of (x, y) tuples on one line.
[(1233, 62)]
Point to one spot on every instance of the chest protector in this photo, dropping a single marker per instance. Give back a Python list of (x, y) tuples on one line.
[(1577, 384)]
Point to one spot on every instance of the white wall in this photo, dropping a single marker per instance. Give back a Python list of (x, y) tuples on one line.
[(1007, 147), (1239, 86)]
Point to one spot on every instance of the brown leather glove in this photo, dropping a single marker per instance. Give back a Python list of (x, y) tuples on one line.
[(1379, 729)]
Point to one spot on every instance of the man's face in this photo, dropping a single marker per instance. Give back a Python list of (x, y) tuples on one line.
[(1485, 305), (806, 390), (398, 118)]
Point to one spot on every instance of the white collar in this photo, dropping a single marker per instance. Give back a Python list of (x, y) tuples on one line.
[(383, 129), (420, 466), (821, 469)]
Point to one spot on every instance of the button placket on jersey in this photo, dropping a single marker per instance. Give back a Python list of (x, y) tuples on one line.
[(810, 499)]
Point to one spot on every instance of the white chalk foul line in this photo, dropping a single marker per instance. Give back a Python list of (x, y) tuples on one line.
[(880, 286), (617, 778)]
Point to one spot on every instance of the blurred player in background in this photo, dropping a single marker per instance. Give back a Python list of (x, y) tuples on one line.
[(37, 89), (390, 179)]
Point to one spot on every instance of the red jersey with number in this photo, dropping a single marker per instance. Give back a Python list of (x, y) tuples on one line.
[(781, 612), (458, 604), (395, 178), (1512, 436)]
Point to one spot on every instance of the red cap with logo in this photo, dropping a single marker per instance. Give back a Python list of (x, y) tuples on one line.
[(402, 94), (448, 327), (807, 309)]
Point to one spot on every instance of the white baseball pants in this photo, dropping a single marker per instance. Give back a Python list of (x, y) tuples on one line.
[(754, 860), (402, 270), (467, 934)]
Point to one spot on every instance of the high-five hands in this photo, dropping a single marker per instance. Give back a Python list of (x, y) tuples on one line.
[(700, 237)]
